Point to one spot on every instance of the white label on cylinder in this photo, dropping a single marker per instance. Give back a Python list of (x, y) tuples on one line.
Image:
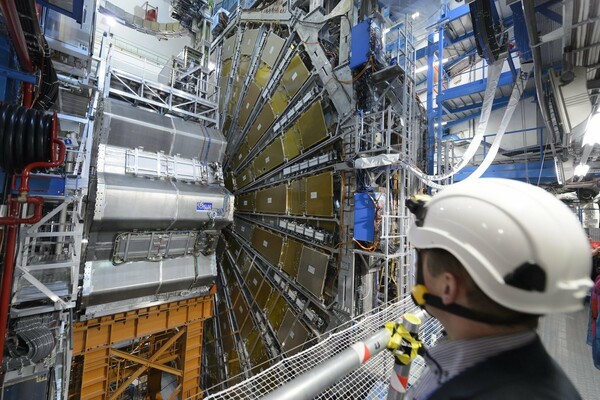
[(240, 156), (265, 243), (313, 195), (255, 282), (243, 228), (294, 76), (269, 200), (244, 177), (292, 334), (311, 269), (271, 49), (258, 127), (247, 105), (267, 159)]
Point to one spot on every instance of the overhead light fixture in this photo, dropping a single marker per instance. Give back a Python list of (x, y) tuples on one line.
[(443, 123), (415, 15), (110, 21), (424, 67), (581, 170), (592, 131)]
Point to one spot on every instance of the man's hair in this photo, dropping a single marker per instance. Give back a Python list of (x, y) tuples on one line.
[(440, 261)]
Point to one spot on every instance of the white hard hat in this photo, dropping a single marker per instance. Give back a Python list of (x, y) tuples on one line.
[(523, 247)]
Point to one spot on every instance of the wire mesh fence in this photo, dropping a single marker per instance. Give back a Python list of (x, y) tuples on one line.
[(370, 381)]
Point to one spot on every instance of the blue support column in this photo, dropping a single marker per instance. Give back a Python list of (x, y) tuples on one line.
[(430, 115), (440, 108)]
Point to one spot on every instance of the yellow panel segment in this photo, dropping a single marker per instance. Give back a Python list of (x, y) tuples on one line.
[(270, 158), (297, 197), (248, 104), (319, 195), (312, 126), (262, 123), (240, 155), (292, 143), (291, 257), (272, 200), (262, 76), (246, 177), (268, 244), (294, 76), (245, 202), (279, 100)]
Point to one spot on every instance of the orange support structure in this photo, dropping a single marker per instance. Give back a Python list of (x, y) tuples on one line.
[(114, 351)]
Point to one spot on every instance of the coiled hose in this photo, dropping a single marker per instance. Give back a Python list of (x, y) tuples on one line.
[(25, 137)]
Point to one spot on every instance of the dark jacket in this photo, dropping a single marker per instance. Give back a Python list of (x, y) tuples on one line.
[(527, 373)]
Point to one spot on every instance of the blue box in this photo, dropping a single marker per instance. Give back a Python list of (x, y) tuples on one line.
[(364, 217), (360, 46)]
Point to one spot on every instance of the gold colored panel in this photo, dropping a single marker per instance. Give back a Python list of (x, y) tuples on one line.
[(254, 280), (262, 76), (240, 155), (227, 123), (292, 143), (319, 195), (246, 177), (295, 339), (229, 185), (272, 49), (312, 126), (272, 200), (297, 197), (312, 270), (294, 76), (270, 158), (245, 202), (253, 339), (279, 100), (240, 310), (291, 257), (263, 294), (234, 247), (249, 41), (244, 229), (268, 244), (228, 48), (247, 327), (242, 70), (277, 313), (262, 123), (271, 301), (258, 357), (244, 263), (248, 104)]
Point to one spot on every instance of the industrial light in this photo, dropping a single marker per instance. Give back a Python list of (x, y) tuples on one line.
[(110, 21), (581, 170), (443, 123), (424, 67), (415, 15), (592, 131)]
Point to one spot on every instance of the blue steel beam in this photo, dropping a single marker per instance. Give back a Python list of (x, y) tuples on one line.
[(17, 75), (546, 12), (495, 106), (536, 170), (475, 87), (499, 101)]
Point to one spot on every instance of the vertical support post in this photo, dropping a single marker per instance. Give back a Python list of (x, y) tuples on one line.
[(430, 117), (440, 108)]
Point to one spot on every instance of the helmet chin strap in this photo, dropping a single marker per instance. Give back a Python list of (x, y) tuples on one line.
[(421, 298)]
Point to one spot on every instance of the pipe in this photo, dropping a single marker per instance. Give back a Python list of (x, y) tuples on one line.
[(58, 159), (314, 381), (534, 40)]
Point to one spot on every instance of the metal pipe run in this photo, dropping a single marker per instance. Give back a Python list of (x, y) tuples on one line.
[(312, 382)]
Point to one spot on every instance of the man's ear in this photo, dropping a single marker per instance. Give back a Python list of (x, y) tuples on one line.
[(450, 288)]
